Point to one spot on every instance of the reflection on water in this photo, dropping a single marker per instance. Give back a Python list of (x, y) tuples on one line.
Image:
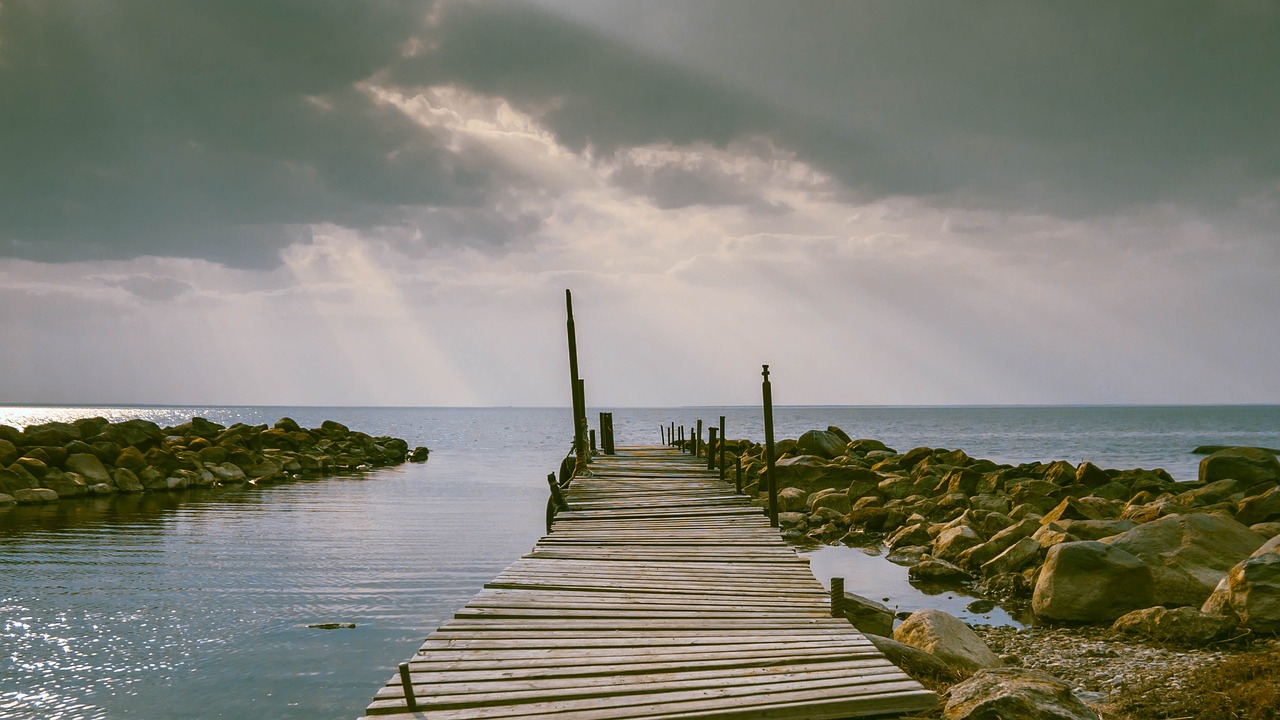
[(871, 576), (196, 604)]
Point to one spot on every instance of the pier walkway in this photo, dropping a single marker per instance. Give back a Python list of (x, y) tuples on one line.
[(659, 593)]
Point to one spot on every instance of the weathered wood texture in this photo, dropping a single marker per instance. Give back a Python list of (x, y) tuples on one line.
[(658, 594)]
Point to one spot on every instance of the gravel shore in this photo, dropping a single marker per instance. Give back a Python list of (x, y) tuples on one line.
[(1103, 667)]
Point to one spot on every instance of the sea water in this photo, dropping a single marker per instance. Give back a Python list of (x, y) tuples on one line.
[(197, 604)]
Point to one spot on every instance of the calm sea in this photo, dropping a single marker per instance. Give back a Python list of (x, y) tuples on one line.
[(197, 605)]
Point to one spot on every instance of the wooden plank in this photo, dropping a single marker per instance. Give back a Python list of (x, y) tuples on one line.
[(661, 594)]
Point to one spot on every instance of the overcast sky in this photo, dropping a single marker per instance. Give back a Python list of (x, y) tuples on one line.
[(382, 202)]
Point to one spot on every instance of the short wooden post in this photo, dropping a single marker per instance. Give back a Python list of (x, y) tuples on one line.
[(738, 483), (721, 448), (680, 439), (711, 448), (671, 434), (410, 700), (837, 597), (697, 439), (767, 391), (662, 434), (606, 433), (592, 434), (556, 493)]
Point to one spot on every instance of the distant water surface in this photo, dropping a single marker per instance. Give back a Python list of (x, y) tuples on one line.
[(195, 605)]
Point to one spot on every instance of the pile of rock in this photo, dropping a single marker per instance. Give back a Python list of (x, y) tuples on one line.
[(93, 456), (1083, 544)]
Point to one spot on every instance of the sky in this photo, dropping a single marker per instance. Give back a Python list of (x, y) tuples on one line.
[(321, 202)]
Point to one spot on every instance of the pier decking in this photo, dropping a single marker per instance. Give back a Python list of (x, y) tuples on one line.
[(659, 593)]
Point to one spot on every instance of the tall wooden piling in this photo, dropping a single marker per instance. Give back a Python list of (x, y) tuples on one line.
[(697, 439), (767, 392), (579, 399)]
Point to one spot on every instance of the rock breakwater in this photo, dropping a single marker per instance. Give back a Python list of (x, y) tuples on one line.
[(1077, 543), (92, 456)]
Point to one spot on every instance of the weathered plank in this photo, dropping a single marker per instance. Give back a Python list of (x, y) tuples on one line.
[(660, 594)]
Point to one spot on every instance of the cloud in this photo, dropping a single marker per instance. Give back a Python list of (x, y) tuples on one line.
[(218, 131), (1074, 109)]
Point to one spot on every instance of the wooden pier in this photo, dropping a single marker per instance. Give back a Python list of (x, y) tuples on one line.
[(659, 593)]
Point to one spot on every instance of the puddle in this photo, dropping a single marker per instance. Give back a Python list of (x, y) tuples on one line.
[(872, 576)]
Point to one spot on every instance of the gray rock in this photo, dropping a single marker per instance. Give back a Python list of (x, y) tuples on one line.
[(1250, 465), (1183, 625), (792, 499), (1014, 558), (947, 638), (914, 661), (7, 501), (1263, 507), (125, 481), (868, 615), (1188, 554), (89, 467), (35, 496), (1090, 581), (1014, 693), (953, 541), (822, 443), (1251, 593), (935, 570)]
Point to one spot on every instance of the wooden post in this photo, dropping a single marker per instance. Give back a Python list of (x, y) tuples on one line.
[(579, 402), (711, 448), (721, 448), (662, 434), (767, 391), (697, 439), (837, 597), (556, 493), (680, 440), (606, 433), (671, 434), (592, 434), (410, 700), (738, 482)]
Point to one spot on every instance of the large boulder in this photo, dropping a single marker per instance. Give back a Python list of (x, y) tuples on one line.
[(914, 661), (790, 499), (1250, 593), (1009, 693), (126, 481), (1263, 507), (8, 452), (1248, 464), (35, 496), (1090, 581), (822, 443), (1183, 625), (1013, 559), (947, 638), (1188, 554), (89, 467)]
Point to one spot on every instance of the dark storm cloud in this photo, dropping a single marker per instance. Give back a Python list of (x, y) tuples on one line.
[(1074, 108), (221, 130), (210, 130)]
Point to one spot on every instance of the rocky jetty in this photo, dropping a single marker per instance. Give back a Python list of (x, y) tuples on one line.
[(1080, 544), (92, 456)]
